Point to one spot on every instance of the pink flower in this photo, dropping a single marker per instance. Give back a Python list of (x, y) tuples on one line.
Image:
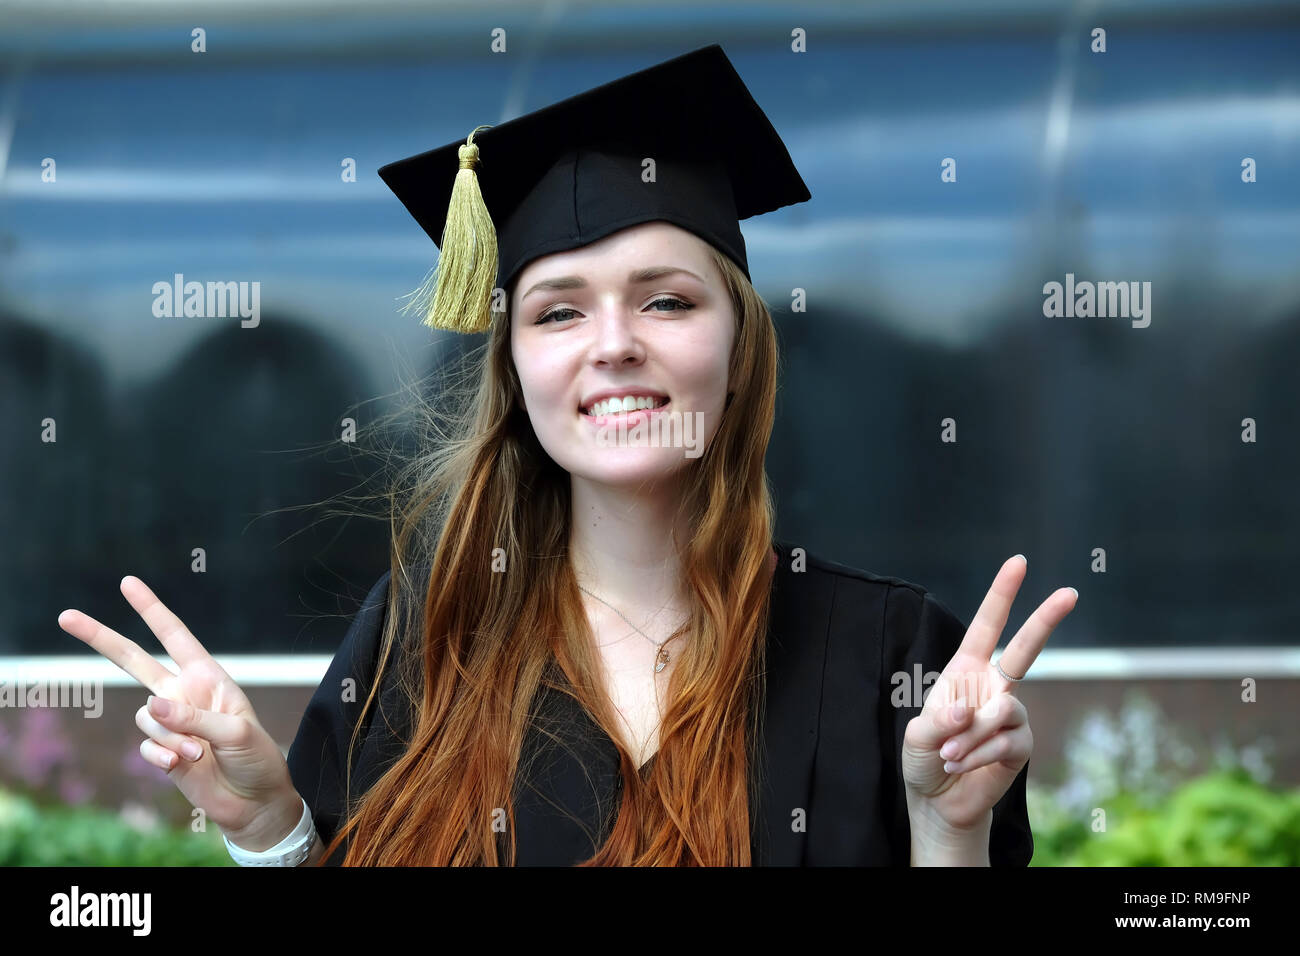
[(42, 746), (74, 789)]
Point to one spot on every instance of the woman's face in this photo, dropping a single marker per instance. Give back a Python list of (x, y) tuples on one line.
[(585, 328)]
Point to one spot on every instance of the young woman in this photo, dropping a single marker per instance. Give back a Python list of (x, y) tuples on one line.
[(589, 649)]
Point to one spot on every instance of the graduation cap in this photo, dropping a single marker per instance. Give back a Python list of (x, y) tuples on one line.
[(580, 169)]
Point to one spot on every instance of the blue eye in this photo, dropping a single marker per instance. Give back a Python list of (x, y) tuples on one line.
[(685, 306), (550, 315), (555, 313)]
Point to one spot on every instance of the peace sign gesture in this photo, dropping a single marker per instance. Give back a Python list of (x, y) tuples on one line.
[(956, 766), (201, 728)]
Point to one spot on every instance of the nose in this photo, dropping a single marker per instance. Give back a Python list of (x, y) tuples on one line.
[(616, 341)]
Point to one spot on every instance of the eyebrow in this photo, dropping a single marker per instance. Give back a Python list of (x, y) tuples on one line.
[(648, 274)]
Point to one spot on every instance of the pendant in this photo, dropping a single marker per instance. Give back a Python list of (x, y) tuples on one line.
[(662, 660)]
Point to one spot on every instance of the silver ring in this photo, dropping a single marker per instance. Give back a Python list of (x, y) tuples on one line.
[(1014, 680)]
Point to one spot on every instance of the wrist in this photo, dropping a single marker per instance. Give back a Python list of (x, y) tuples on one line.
[(938, 844), (275, 822)]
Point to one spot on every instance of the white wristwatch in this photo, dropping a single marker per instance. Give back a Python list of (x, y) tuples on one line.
[(290, 851)]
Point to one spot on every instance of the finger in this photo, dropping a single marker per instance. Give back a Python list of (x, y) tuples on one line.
[(220, 730), (975, 685), (986, 627), (937, 723), (1000, 712), (1029, 641), (158, 755), (187, 747), (123, 652), (183, 647), (1010, 747)]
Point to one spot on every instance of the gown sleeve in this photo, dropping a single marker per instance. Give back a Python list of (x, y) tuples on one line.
[(317, 758), (921, 631)]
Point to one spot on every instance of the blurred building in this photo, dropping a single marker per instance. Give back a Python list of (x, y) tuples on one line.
[(960, 157)]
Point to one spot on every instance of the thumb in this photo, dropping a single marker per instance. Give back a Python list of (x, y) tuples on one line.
[(220, 730), (944, 721)]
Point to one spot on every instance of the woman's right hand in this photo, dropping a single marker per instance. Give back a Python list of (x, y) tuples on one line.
[(239, 778)]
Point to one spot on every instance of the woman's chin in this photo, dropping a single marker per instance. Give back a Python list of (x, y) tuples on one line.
[(635, 467)]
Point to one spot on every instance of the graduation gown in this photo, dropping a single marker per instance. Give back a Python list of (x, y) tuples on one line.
[(828, 790)]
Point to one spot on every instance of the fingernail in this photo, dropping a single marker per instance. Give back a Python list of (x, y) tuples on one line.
[(948, 750), (1021, 557), (160, 706), (1076, 593), (949, 767), (959, 709), (191, 750)]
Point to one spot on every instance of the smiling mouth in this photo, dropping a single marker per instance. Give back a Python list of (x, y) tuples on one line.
[(659, 403)]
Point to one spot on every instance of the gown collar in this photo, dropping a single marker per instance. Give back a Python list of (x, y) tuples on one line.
[(781, 785)]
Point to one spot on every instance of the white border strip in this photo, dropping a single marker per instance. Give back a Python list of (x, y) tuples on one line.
[(247, 670), (1165, 663), (307, 670)]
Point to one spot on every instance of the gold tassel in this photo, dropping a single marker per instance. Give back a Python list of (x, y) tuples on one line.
[(457, 296)]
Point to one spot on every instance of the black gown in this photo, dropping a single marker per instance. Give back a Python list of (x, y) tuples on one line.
[(828, 792)]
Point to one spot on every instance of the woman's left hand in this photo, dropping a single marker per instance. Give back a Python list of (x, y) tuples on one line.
[(988, 745)]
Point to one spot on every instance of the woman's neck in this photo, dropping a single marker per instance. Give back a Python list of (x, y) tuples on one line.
[(622, 548)]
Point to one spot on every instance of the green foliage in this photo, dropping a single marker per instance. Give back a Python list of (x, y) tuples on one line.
[(1170, 797), (32, 835), (1221, 819)]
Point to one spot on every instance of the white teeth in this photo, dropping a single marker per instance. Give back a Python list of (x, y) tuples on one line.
[(628, 403)]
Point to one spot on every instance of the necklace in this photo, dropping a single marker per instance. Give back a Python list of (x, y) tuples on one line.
[(663, 657)]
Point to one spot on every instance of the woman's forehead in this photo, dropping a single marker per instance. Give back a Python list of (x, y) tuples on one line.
[(618, 256)]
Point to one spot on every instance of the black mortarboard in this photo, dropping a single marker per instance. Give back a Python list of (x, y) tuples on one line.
[(574, 172)]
